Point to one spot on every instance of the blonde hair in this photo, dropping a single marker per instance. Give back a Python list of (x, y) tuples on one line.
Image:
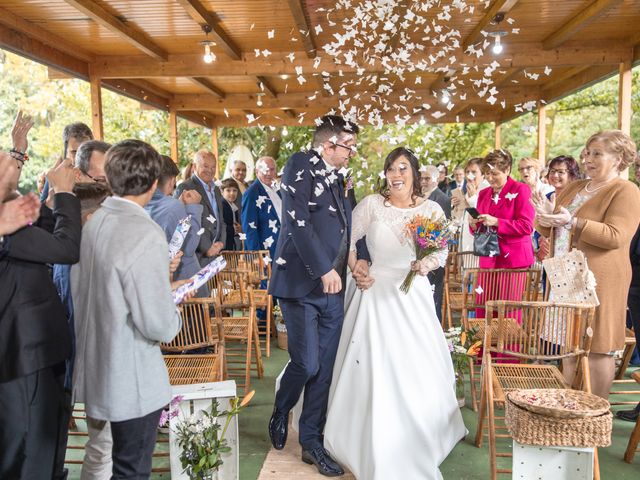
[(500, 159), (534, 161), (619, 143)]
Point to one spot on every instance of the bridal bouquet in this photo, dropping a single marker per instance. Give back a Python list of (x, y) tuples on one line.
[(429, 235)]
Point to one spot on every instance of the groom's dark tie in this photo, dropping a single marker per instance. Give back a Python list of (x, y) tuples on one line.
[(340, 263)]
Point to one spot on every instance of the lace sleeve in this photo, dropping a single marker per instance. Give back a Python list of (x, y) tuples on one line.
[(360, 220)]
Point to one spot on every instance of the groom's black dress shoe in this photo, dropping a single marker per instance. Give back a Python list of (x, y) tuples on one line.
[(278, 426), (629, 415), (326, 465)]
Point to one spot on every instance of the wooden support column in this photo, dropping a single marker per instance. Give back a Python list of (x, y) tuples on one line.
[(214, 149), (173, 135), (624, 97), (498, 135), (96, 108), (542, 133), (624, 103)]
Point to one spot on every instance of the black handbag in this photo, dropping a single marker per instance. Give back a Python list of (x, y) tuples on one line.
[(485, 242)]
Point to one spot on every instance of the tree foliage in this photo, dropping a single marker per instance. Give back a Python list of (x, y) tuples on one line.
[(55, 103)]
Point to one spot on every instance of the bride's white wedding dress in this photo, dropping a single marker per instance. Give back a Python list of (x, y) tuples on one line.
[(392, 412)]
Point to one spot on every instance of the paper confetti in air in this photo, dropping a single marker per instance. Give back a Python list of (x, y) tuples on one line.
[(200, 232), (511, 196), (280, 261), (479, 290)]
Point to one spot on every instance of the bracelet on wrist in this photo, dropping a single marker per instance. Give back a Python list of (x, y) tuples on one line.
[(18, 155)]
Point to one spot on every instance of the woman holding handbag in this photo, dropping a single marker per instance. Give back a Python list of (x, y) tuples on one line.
[(599, 216), (506, 213)]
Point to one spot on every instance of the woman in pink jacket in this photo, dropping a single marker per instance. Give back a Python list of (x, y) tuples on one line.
[(505, 207)]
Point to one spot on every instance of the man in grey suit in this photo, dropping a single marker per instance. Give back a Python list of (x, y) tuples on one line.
[(429, 183), (203, 182)]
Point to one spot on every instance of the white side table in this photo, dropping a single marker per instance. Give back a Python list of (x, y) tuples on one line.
[(199, 397), (532, 462)]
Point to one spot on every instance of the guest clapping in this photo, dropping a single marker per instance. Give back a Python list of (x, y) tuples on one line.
[(599, 216), (562, 170), (529, 169)]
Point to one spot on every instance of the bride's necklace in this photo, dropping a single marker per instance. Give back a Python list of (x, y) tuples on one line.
[(586, 187)]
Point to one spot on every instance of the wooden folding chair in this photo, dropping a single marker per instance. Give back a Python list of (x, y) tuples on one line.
[(634, 439), (547, 332), (627, 353), (198, 332), (241, 341), (257, 272), (481, 285), (457, 263)]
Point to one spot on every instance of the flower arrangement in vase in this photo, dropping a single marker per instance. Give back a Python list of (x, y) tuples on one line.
[(201, 438), (461, 346)]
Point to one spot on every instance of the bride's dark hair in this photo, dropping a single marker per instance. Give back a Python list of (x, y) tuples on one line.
[(383, 187)]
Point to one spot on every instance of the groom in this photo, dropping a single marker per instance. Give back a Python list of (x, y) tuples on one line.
[(308, 279)]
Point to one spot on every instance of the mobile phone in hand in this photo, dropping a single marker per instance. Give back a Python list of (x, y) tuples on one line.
[(473, 212)]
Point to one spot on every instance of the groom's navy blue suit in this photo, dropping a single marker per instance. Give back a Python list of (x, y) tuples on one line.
[(315, 235)]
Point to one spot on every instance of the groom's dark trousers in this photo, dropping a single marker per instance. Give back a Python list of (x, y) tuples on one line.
[(313, 324)]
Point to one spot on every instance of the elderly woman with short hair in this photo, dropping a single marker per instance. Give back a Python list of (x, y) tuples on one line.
[(599, 216)]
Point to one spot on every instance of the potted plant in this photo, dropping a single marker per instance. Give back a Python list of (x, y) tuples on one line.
[(201, 438), (281, 328), (461, 346)]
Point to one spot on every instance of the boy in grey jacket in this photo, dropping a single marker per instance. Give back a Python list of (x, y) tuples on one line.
[(123, 310)]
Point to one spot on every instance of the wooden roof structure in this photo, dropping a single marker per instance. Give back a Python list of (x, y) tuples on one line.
[(150, 50)]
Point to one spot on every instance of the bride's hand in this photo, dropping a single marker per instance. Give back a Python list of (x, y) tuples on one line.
[(424, 266)]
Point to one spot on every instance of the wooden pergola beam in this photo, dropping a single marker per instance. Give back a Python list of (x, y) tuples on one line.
[(131, 34), (562, 77), (624, 97), (498, 6), (38, 51), (137, 90), (265, 86), (515, 56), (307, 101), (14, 22), (198, 12), (304, 30), (208, 85), (576, 22), (97, 125)]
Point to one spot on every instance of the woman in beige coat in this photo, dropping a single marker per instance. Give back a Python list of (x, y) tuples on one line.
[(599, 216)]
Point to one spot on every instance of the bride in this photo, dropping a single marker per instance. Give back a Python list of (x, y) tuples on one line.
[(392, 408)]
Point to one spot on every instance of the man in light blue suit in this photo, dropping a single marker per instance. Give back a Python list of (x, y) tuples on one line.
[(262, 209), (167, 211)]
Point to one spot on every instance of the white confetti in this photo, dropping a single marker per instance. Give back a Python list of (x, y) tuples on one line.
[(271, 33), (479, 290), (511, 196), (211, 219), (268, 242), (280, 261), (242, 236), (253, 225), (301, 223), (200, 232), (292, 213)]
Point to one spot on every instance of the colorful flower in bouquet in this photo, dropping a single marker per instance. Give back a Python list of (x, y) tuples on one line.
[(429, 235)]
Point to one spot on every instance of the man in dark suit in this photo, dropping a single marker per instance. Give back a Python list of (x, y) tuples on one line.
[(34, 337), (203, 181), (458, 180), (429, 184), (262, 209), (308, 277)]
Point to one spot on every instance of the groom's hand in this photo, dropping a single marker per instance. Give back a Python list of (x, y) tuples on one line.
[(331, 282)]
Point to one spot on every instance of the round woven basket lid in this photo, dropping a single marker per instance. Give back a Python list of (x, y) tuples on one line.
[(560, 403)]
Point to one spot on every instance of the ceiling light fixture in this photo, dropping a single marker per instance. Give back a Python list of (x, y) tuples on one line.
[(209, 56), (259, 99), (497, 47), (446, 97)]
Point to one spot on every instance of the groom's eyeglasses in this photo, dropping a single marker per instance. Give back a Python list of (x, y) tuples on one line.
[(353, 149)]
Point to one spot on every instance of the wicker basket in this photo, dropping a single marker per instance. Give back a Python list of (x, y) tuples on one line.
[(282, 340), (560, 403), (531, 428)]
